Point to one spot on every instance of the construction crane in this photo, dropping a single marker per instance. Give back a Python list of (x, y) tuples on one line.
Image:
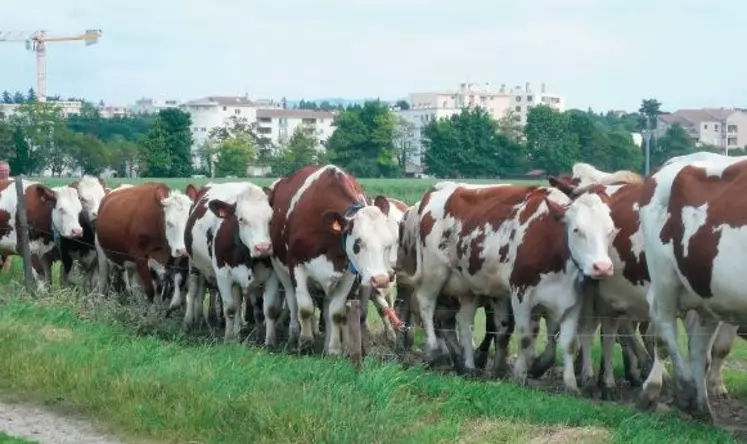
[(37, 41)]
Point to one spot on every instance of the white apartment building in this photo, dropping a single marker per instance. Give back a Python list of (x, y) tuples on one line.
[(66, 107), (152, 106), (278, 125), (725, 128), (425, 107), (214, 111), (108, 112)]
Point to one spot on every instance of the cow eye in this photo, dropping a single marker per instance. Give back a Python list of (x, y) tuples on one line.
[(575, 230)]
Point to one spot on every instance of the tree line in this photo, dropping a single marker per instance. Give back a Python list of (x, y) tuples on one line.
[(369, 140)]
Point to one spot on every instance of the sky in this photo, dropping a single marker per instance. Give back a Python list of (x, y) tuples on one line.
[(604, 54)]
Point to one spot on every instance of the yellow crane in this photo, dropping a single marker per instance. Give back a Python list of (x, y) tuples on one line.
[(37, 41)]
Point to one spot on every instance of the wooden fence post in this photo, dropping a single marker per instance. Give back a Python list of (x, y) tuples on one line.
[(23, 236), (353, 309)]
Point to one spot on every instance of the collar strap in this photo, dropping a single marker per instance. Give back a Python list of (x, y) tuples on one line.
[(349, 213)]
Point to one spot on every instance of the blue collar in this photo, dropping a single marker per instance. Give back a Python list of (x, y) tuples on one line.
[(55, 234), (581, 275)]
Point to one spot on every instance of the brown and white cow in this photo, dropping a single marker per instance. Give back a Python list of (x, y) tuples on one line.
[(52, 214), (228, 240), (139, 226), (324, 233), (695, 236), (523, 246)]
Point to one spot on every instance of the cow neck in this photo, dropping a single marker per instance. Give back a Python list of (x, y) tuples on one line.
[(581, 276), (350, 213), (243, 250)]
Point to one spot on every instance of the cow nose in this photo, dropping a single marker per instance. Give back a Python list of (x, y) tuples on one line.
[(603, 268), (263, 248), (380, 280), (77, 232), (181, 252)]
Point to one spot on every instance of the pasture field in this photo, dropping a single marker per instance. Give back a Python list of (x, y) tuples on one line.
[(7, 439), (147, 381)]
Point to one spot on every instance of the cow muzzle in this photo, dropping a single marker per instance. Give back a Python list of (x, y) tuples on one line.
[(602, 269), (262, 249), (76, 232), (180, 252), (380, 280)]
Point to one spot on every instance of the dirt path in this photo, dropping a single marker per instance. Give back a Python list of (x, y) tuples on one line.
[(46, 427)]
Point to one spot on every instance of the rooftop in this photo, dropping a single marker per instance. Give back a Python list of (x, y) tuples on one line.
[(294, 113), (222, 101)]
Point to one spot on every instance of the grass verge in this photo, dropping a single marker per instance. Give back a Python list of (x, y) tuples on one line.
[(7, 439), (174, 391)]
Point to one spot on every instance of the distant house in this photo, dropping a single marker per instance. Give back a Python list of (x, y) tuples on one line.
[(720, 127)]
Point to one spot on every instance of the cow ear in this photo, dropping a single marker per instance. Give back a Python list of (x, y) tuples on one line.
[(556, 210), (567, 188), (221, 209), (46, 194), (162, 193), (382, 203), (334, 221), (191, 192)]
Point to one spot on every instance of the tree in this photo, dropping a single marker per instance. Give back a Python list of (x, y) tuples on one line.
[(675, 142), (154, 153), (552, 146), (123, 155), (208, 154), (234, 155), (510, 125), (7, 98), (402, 104), (626, 155), (178, 137), (7, 150), (31, 95), (86, 152), (469, 145), (41, 124), (21, 162), (300, 151), (402, 138), (18, 97), (650, 109), (362, 141)]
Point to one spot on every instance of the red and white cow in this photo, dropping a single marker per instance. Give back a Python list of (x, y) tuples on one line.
[(228, 240), (694, 236), (325, 234), (141, 226), (523, 246), (52, 213)]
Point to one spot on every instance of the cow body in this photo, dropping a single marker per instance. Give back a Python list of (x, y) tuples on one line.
[(324, 234), (52, 214), (521, 247), (228, 240), (140, 224), (694, 236)]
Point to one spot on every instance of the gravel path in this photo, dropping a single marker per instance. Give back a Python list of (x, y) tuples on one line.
[(46, 427)]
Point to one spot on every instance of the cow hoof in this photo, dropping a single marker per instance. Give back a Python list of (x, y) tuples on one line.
[(436, 357), (719, 393), (573, 391), (481, 359), (646, 402), (539, 367), (306, 347), (502, 371), (471, 373), (606, 393)]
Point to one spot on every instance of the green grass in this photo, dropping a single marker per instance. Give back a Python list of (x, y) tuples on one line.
[(96, 358), (7, 439), (407, 190)]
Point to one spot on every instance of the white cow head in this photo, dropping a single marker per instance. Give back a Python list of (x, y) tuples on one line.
[(91, 191), (368, 236), (66, 210), (175, 213), (589, 231), (253, 213)]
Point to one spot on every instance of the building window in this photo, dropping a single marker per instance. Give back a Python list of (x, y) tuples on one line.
[(237, 111), (705, 126), (518, 109), (224, 108), (444, 104), (529, 98), (715, 127), (518, 98), (732, 128), (731, 141)]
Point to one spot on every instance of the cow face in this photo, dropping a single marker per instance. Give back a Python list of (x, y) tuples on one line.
[(91, 191), (590, 232), (175, 214), (66, 209), (253, 213), (368, 238)]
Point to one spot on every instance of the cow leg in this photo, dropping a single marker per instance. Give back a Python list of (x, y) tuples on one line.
[(426, 295), (606, 376), (465, 318), (103, 263), (143, 272), (631, 348), (722, 343), (700, 340), (192, 315), (291, 304), (305, 307), (523, 319), (491, 330), (67, 266), (337, 317), (544, 361), (232, 298), (364, 293), (503, 327), (272, 307), (404, 309)]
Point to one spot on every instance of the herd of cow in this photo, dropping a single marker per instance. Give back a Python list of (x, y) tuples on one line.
[(628, 253)]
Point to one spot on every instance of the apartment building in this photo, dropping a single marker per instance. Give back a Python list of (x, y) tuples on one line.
[(152, 106), (215, 111), (523, 99), (66, 107), (278, 124), (724, 128), (108, 112)]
